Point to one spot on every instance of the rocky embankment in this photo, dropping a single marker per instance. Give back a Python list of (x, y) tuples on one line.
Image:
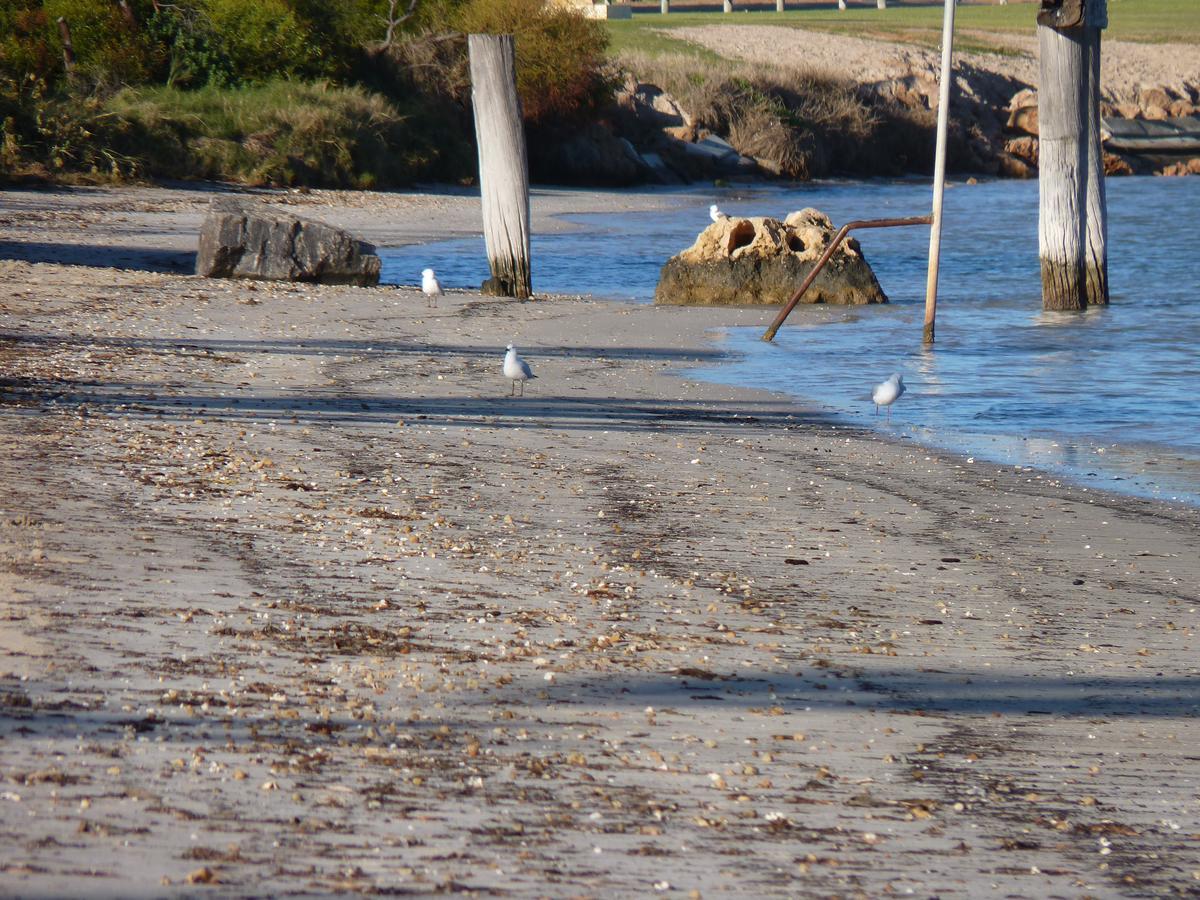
[(994, 105)]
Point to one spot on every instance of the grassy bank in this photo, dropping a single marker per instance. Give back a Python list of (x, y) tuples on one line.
[(800, 124), (280, 133), (977, 27)]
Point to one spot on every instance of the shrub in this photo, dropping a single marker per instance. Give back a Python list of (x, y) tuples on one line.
[(109, 51), (562, 69), (263, 39), (26, 52), (189, 54)]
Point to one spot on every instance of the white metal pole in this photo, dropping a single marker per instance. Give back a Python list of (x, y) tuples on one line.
[(939, 172)]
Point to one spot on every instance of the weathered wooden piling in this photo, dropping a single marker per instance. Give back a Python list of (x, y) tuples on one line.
[(1073, 214), (946, 79), (503, 164)]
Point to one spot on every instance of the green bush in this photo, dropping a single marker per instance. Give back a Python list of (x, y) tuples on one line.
[(189, 53), (562, 70), (262, 39), (26, 52), (109, 51)]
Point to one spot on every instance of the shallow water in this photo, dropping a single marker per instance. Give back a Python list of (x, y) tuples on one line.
[(1108, 397)]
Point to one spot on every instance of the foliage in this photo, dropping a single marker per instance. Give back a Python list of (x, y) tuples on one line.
[(278, 133), (25, 49), (561, 62), (262, 40), (188, 51), (64, 139), (109, 50)]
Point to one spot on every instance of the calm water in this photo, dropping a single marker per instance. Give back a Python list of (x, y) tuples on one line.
[(1110, 397)]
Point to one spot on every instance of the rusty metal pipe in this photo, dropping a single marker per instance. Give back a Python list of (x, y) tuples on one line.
[(769, 334)]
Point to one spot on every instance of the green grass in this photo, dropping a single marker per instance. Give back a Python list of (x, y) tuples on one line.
[(1151, 21), (279, 133)]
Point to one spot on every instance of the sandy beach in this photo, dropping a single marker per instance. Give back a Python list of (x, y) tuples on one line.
[(298, 601)]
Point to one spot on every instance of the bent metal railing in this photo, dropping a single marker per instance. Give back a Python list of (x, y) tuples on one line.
[(769, 334)]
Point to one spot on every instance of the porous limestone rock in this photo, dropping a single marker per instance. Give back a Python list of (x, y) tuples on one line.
[(760, 260), (242, 239)]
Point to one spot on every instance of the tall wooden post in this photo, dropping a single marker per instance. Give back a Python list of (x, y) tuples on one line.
[(1073, 214), (939, 173), (503, 165), (881, 4), (727, 6), (665, 7), (778, 5)]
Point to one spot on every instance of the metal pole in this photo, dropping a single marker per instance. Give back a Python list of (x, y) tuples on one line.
[(769, 334), (939, 173)]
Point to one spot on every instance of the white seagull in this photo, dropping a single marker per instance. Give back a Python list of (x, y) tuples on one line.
[(516, 369), (715, 214), (431, 286), (888, 392)]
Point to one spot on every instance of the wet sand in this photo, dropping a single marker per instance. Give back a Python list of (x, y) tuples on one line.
[(297, 600)]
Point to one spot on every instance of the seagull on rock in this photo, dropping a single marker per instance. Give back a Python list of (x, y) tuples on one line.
[(431, 286), (517, 370), (888, 392), (715, 214)]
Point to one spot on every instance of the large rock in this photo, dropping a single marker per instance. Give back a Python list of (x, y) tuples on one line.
[(759, 260), (249, 240)]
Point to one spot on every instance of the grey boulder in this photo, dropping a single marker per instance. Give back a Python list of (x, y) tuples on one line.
[(250, 240)]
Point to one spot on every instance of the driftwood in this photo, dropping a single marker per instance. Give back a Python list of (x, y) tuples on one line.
[(503, 165)]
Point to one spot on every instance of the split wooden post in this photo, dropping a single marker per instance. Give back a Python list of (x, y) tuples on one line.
[(503, 164), (665, 7), (727, 6), (939, 172), (64, 32), (127, 14), (778, 5), (1073, 212)]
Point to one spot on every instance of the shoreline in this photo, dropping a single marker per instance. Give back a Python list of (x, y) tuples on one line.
[(303, 602), (1039, 454)]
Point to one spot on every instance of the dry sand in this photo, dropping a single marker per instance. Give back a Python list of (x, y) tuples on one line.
[(296, 601)]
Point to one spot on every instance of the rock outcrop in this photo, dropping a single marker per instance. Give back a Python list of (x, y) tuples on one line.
[(249, 240), (760, 260)]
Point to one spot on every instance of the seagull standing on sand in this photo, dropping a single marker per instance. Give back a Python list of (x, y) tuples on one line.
[(516, 369), (715, 214), (431, 286), (888, 392)]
